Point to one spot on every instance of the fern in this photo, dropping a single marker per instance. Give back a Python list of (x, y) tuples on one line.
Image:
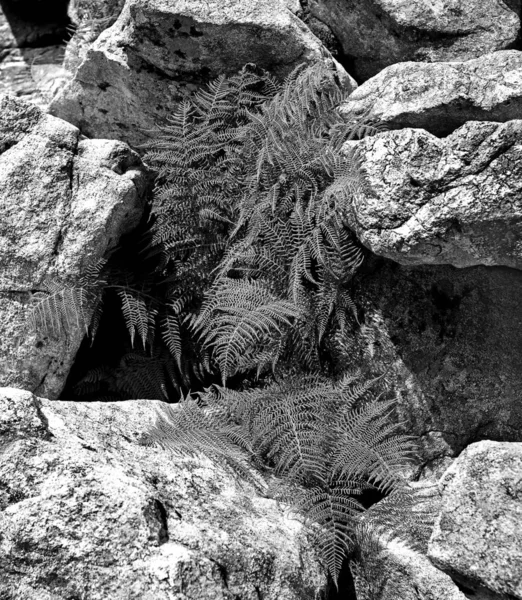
[(326, 442)]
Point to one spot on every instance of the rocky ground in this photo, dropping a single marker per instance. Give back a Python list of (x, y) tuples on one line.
[(86, 511)]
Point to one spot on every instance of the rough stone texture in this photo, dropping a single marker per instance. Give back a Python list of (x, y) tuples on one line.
[(64, 203), (380, 33), (440, 97), (450, 343), (456, 200), (158, 52), (478, 536), (87, 512), (32, 37)]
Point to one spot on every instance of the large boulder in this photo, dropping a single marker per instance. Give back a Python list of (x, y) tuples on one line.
[(158, 52), (478, 536), (456, 200), (64, 203), (440, 97), (86, 511), (32, 40), (380, 33), (449, 344)]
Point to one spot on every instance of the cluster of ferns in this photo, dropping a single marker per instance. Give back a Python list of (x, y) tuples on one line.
[(251, 290)]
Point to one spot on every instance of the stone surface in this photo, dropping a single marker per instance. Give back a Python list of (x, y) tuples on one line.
[(449, 342), (440, 97), (380, 33), (64, 203), (87, 512), (158, 52), (478, 536), (32, 38), (456, 200)]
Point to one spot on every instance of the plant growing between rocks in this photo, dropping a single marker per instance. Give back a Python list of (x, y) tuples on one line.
[(252, 266)]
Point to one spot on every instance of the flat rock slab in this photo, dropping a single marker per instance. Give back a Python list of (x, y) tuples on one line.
[(440, 97), (88, 512), (478, 536), (456, 200), (64, 204), (159, 52), (380, 33)]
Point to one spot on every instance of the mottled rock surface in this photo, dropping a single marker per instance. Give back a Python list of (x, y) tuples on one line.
[(158, 52), (32, 38), (440, 97), (478, 536), (380, 33), (450, 343), (85, 511), (456, 200), (64, 203)]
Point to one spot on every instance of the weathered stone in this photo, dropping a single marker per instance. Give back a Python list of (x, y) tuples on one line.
[(377, 34), (85, 511), (64, 203), (456, 200), (478, 536), (449, 343), (440, 97), (32, 49), (159, 52)]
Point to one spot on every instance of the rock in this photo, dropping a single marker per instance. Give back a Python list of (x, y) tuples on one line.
[(440, 97), (85, 511), (377, 34), (449, 342), (456, 200), (64, 203), (32, 46), (157, 53), (478, 536)]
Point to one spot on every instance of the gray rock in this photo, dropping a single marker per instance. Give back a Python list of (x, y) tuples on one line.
[(440, 97), (449, 342), (456, 200), (86, 511), (64, 203), (384, 32), (478, 536), (157, 53)]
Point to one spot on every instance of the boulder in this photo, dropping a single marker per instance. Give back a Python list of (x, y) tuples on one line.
[(158, 52), (456, 200), (440, 97), (449, 343), (478, 535), (380, 33), (86, 511), (64, 203), (32, 35)]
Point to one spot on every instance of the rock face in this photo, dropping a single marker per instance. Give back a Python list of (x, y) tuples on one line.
[(64, 203), (377, 34), (85, 511), (158, 52), (440, 97), (478, 536), (32, 35), (453, 201), (450, 343)]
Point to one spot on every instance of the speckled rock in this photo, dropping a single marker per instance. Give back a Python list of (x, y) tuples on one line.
[(440, 97), (450, 344), (64, 203), (478, 536), (456, 200), (158, 52), (380, 33), (85, 511)]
